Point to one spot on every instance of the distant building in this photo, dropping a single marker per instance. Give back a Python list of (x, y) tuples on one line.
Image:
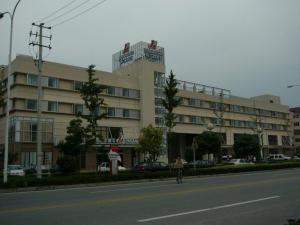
[(134, 93), (296, 116)]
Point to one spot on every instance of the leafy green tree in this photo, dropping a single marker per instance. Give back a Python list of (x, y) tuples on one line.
[(170, 102), (246, 145), (73, 146), (150, 141), (73, 143), (90, 93), (209, 143)]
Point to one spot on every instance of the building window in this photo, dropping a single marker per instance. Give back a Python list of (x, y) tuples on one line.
[(31, 104), (111, 112), (32, 79), (118, 112), (126, 113), (272, 140), (159, 121), (77, 108), (28, 159), (134, 113), (134, 93), (125, 92), (111, 90), (33, 132), (296, 124), (53, 82), (159, 79), (118, 91), (285, 140), (158, 101), (52, 106), (77, 85)]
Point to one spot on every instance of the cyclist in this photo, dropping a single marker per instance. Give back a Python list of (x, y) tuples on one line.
[(179, 166)]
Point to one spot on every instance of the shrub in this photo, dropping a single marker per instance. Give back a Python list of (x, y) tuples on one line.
[(66, 164)]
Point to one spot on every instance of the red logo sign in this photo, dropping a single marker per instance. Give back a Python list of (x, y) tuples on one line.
[(153, 44), (114, 148), (126, 48)]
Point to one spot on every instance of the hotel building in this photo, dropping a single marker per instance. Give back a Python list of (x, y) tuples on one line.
[(133, 96)]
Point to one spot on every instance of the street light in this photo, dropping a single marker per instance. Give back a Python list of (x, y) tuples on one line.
[(260, 139), (8, 90), (293, 85), (210, 126)]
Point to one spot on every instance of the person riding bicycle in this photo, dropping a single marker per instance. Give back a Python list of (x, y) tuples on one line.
[(179, 166)]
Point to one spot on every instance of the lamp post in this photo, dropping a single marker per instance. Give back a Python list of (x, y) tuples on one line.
[(11, 15), (260, 139), (210, 127)]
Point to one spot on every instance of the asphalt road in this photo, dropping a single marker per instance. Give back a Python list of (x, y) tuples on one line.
[(262, 198)]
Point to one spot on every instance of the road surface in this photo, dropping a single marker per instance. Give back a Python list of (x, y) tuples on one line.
[(262, 198)]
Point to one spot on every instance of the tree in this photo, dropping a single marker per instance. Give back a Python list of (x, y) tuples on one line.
[(73, 143), (246, 145), (209, 143), (150, 141), (90, 93), (170, 102), (72, 146)]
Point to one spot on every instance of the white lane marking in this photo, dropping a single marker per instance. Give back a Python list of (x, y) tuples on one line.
[(207, 209)]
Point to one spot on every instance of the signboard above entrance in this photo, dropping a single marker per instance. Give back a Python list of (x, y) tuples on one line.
[(141, 50)]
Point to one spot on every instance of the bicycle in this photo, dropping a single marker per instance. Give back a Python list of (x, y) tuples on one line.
[(179, 176)]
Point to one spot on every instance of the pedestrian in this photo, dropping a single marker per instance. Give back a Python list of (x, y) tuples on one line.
[(179, 167)]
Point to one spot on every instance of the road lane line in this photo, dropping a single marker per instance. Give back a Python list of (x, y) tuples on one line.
[(207, 209)]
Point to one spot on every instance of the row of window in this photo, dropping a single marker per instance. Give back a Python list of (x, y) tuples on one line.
[(32, 79), (226, 122), (52, 106), (296, 124), (272, 139), (231, 108)]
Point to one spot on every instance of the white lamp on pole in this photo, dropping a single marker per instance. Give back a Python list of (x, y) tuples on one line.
[(11, 15)]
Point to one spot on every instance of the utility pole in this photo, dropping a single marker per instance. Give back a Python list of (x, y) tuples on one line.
[(39, 108)]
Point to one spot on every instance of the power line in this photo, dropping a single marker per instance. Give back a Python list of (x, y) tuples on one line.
[(58, 10), (67, 12), (79, 14)]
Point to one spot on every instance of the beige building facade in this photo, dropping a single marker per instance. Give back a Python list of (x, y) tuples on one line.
[(133, 95), (296, 121)]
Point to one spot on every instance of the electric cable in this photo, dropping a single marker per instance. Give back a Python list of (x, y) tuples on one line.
[(79, 14), (67, 12), (56, 11)]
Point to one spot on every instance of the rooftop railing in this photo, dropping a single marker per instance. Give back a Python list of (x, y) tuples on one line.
[(200, 88)]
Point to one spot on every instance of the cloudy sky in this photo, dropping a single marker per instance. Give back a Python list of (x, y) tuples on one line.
[(251, 47)]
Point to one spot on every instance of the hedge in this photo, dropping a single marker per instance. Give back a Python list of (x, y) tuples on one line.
[(85, 178)]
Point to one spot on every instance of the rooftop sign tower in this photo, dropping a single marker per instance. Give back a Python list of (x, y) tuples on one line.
[(141, 50)]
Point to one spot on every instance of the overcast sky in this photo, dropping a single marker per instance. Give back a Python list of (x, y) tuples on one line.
[(251, 47)]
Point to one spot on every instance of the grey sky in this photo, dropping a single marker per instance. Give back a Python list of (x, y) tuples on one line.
[(248, 46)]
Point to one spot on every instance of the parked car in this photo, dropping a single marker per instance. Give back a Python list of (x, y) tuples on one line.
[(200, 163), (151, 166), (15, 170), (278, 157), (226, 157), (104, 167), (240, 162)]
